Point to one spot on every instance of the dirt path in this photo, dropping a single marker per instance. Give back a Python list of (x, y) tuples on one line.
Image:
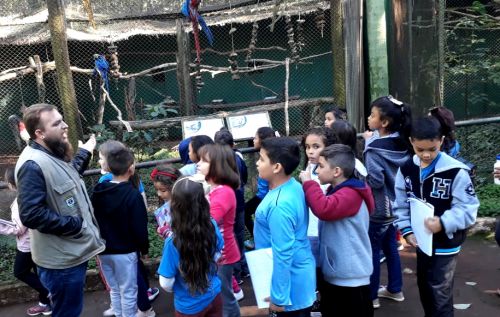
[(478, 262)]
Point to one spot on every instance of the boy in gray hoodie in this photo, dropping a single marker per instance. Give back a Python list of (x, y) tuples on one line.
[(345, 252), (445, 183)]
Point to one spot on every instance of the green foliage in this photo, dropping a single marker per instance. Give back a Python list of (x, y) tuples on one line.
[(489, 197)]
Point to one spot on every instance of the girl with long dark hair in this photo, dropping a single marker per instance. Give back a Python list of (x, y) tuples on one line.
[(188, 266)]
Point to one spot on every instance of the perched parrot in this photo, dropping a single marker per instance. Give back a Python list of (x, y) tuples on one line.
[(190, 10), (102, 67)]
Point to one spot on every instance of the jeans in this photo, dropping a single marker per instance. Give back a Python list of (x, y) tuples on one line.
[(25, 271), (306, 312), (383, 237), (250, 208), (435, 283), (65, 288), (230, 307), (241, 267), (120, 271)]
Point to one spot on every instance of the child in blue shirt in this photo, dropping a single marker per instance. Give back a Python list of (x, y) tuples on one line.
[(192, 279), (281, 224), (445, 183)]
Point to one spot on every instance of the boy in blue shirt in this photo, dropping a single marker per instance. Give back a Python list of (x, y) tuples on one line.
[(445, 183), (281, 224)]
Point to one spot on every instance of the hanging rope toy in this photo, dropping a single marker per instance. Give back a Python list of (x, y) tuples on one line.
[(114, 66)]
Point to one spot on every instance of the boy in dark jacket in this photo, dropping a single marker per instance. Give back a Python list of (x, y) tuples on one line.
[(122, 217), (444, 183), (345, 251)]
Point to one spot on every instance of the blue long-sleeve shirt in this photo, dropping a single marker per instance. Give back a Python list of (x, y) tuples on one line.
[(281, 224)]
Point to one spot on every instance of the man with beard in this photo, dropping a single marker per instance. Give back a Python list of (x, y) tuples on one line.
[(54, 203)]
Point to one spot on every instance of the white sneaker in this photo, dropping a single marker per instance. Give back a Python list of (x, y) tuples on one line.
[(239, 295), (384, 293), (108, 312), (148, 313)]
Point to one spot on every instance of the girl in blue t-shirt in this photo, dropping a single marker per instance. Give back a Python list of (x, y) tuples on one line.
[(188, 266)]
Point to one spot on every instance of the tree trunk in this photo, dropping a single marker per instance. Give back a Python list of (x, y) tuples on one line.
[(57, 25), (186, 94), (338, 53), (376, 25)]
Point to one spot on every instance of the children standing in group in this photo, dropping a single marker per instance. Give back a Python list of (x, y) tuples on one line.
[(188, 266), (444, 183), (195, 144), (164, 176), (313, 142), (218, 165), (344, 214), (385, 151), (281, 224), (262, 185), (122, 218), (24, 267)]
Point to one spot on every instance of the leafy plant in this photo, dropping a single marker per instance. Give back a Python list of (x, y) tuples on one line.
[(489, 196)]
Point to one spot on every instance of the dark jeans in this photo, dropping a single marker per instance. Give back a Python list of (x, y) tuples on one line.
[(241, 267), (142, 286), (383, 237), (66, 289), (497, 232), (25, 271), (306, 312), (435, 283), (250, 208), (345, 301)]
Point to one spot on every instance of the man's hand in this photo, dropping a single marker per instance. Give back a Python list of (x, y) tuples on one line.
[(273, 307), (433, 224), (89, 145), (411, 240)]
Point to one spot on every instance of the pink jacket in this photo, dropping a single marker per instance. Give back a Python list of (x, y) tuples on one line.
[(16, 227), (223, 210)]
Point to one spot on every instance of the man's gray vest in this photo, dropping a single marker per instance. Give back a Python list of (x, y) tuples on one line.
[(65, 194)]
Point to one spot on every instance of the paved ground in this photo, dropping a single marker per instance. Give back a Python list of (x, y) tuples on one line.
[(479, 262)]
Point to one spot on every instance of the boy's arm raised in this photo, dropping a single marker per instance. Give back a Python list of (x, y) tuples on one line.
[(342, 204)]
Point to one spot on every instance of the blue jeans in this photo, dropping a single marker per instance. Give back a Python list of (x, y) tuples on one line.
[(383, 237), (120, 271), (65, 288), (230, 307), (241, 267)]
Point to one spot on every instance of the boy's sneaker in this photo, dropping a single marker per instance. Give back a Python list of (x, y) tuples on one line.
[(376, 303), (108, 312), (239, 295), (249, 244), (383, 292), (39, 309), (148, 313), (153, 293)]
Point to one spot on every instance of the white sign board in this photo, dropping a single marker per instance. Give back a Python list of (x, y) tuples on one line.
[(260, 265), (201, 127), (245, 126)]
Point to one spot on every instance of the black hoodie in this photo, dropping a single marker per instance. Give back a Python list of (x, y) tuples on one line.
[(122, 217)]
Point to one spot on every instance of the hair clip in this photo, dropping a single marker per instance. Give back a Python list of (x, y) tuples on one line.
[(197, 178), (395, 101)]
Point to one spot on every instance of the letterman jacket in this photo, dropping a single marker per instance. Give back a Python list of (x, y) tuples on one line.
[(449, 189)]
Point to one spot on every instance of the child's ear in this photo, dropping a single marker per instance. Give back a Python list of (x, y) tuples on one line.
[(385, 123), (277, 168)]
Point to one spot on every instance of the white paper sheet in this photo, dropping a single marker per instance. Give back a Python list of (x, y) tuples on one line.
[(420, 210), (260, 264)]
